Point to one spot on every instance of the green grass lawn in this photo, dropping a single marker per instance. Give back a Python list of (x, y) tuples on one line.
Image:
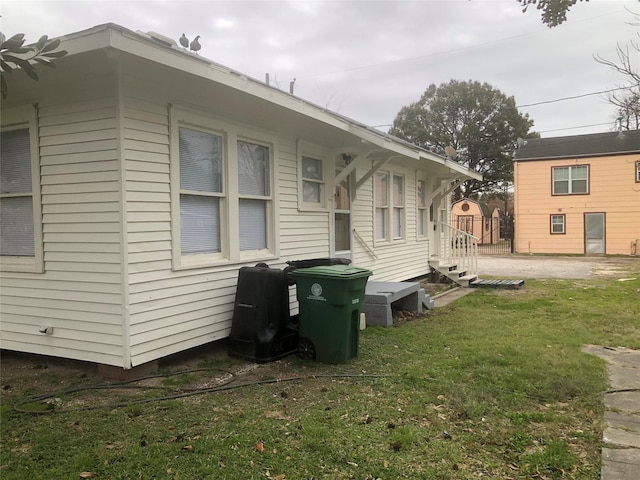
[(492, 386)]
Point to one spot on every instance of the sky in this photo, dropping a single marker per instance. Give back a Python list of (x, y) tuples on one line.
[(367, 59)]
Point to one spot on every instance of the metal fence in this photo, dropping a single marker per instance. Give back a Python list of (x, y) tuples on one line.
[(495, 234)]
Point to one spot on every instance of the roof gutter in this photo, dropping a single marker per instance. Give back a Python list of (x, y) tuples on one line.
[(143, 45)]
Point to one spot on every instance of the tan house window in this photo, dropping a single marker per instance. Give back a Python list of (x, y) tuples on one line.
[(558, 224), (573, 180), (638, 171)]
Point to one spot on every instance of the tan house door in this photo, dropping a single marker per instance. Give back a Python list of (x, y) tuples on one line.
[(594, 233)]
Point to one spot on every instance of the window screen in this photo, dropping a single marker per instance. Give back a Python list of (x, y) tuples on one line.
[(16, 202)]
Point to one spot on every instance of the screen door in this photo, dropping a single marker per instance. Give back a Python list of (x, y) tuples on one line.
[(594, 233)]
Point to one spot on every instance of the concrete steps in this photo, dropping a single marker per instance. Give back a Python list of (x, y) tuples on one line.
[(453, 273)]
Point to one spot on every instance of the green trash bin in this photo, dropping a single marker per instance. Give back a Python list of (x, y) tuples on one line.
[(329, 322)]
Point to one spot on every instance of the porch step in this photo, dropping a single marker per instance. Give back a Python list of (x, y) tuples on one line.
[(513, 284)]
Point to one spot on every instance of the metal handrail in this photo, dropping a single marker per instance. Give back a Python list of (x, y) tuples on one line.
[(364, 244), (459, 248)]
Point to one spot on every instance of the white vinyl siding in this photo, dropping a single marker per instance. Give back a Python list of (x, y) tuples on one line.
[(20, 226), (78, 289), (393, 261)]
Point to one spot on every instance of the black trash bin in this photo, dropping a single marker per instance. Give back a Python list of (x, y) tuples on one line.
[(260, 330)]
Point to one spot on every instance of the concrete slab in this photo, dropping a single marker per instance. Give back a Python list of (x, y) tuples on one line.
[(380, 297), (622, 415), (450, 296)]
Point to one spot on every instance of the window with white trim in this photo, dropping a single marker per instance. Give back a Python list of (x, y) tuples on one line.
[(398, 207), (201, 191), (254, 188), (20, 210), (381, 194), (572, 180), (223, 209), (421, 196), (312, 167), (389, 200), (558, 224), (638, 171)]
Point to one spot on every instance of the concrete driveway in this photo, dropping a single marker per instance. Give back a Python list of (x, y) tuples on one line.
[(535, 266)]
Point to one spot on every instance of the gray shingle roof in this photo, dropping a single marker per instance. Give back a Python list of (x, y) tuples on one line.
[(597, 144)]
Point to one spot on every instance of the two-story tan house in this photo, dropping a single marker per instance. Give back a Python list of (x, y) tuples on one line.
[(578, 194)]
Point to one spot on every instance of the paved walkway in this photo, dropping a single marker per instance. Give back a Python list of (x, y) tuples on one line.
[(621, 452)]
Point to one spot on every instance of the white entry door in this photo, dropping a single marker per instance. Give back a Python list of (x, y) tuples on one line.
[(594, 230)]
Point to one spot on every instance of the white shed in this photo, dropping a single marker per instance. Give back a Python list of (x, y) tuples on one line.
[(137, 178)]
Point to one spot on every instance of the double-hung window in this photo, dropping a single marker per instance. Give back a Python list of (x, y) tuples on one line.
[(558, 224), (421, 196), (222, 192), (381, 194), (398, 206), (254, 188), (201, 191), (312, 167), (389, 199), (20, 225), (572, 180)]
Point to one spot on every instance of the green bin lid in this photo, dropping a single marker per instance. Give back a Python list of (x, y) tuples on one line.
[(335, 271)]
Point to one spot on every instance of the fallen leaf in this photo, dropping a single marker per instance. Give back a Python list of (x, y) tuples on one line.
[(260, 447), (87, 475), (188, 448), (222, 464)]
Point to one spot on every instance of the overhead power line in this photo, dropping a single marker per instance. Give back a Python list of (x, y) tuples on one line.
[(574, 97)]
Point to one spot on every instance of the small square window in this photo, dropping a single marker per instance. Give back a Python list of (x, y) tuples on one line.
[(638, 171), (557, 224), (312, 179)]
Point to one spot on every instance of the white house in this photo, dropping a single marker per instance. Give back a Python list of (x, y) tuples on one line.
[(137, 178)]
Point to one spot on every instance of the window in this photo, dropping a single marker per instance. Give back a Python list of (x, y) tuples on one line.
[(398, 206), (422, 208), (638, 171), (254, 195), (312, 185), (312, 165), (201, 192), (557, 224), (389, 206), (381, 193), (570, 180), (20, 227), (222, 208)]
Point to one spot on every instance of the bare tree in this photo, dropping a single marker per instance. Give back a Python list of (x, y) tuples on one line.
[(627, 101)]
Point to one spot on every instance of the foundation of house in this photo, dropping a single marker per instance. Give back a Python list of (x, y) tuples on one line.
[(110, 372), (382, 297)]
